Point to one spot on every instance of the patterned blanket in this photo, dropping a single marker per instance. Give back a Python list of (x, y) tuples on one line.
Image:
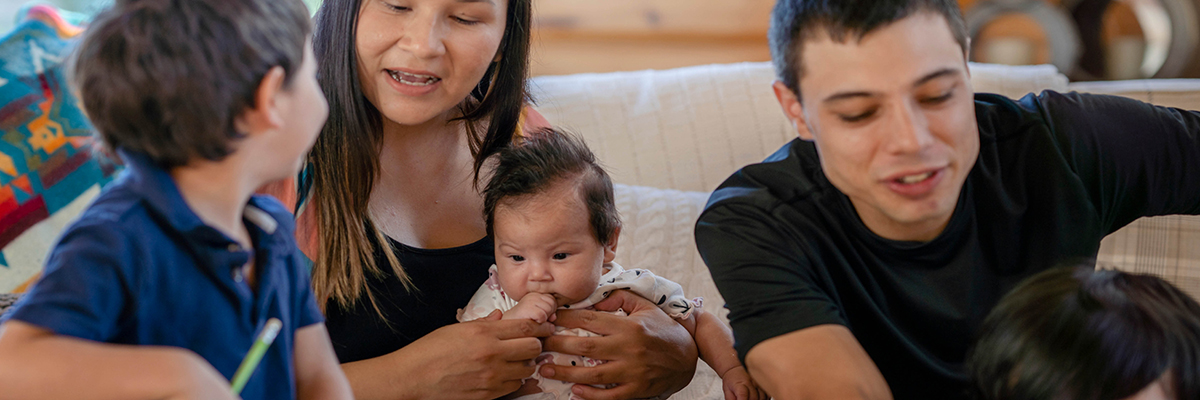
[(48, 171)]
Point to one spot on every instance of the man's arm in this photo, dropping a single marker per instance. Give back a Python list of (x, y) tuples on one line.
[(1135, 159), (790, 332), (35, 363), (821, 362), (318, 374)]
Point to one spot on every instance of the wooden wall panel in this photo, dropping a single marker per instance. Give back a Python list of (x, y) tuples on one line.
[(572, 36)]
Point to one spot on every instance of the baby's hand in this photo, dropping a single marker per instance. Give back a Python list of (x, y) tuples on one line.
[(739, 386), (538, 307)]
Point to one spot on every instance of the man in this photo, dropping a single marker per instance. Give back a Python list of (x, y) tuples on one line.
[(859, 260)]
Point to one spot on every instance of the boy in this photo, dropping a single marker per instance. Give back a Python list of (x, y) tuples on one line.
[(1082, 334), (549, 208), (159, 289)]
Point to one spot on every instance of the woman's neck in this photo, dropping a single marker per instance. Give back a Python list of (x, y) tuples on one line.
[(421, 152), (424, 195)]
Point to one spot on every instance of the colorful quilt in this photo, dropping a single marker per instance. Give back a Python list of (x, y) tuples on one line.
[(48, 171)]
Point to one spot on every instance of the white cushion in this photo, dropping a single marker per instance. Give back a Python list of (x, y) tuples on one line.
[(685, 128), (656, 234)]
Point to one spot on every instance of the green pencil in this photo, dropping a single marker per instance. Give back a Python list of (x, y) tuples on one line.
[(255, 355)]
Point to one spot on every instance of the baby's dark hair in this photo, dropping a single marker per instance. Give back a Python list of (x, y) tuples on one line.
[(1082, 334), (542, 159), (168, 77)]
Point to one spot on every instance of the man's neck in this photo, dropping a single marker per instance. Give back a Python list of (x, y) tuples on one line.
[(217, 192), (917, 231)]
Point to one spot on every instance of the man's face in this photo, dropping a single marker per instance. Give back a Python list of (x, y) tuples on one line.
[(893, 120)]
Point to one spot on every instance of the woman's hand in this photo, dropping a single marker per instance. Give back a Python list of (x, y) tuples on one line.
[(648, 353), (482, 359)]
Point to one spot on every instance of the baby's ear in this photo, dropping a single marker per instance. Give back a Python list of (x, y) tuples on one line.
[(610, 249)]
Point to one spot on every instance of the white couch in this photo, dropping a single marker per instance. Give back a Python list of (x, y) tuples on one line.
[(670, 137)]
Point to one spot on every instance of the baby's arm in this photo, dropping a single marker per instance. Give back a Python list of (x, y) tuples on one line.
[(715, 342), (36, 363), (538, 307)]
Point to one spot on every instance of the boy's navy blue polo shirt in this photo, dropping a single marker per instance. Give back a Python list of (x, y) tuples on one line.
[(139, 267)]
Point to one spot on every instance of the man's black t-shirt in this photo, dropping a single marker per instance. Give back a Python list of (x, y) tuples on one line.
[(1055, 174)]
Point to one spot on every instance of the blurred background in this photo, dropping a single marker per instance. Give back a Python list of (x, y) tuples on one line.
[(1086, 39)]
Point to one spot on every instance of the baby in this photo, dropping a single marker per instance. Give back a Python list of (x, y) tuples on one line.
[(1082, 334), (550, 211)]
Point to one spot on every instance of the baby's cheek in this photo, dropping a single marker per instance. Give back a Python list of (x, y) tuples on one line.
[(578, 293)]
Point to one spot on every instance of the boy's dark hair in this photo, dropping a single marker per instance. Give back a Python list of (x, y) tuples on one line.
[(547, 157), (168, 77), (794, 22), (1082, 334)]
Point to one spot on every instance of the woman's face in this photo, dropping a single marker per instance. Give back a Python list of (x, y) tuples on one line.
[(418, 59)]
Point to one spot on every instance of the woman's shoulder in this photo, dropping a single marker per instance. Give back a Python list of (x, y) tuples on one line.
[(283, 190), (532, 120), (287, 192)]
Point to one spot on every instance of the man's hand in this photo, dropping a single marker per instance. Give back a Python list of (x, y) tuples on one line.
[(648, 353)]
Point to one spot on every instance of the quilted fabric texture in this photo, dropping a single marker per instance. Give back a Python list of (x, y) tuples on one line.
[(656, 234), (47, 169)]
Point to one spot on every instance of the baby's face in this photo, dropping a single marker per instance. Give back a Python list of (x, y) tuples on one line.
[(545, 244)]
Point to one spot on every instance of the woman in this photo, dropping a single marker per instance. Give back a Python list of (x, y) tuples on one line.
[(421, 92)]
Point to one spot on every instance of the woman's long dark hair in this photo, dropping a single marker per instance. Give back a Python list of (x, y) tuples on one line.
[(1081, 334), (344, 162)]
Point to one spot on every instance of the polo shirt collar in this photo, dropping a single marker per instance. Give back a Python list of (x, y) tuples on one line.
[(163, 197)]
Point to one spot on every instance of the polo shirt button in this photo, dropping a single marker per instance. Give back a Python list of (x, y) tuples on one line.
[(237, 275)]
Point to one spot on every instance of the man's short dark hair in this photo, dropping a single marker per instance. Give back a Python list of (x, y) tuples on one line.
[(794, 22), (1082, 334), (168, 77), (539, 161)]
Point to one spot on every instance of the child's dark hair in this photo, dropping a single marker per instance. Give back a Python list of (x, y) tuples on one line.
[(540, 160), (168, 77), (1082, 334)]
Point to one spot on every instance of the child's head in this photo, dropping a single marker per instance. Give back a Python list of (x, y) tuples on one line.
[(1081, 334), (175, 79), (549, 207)]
